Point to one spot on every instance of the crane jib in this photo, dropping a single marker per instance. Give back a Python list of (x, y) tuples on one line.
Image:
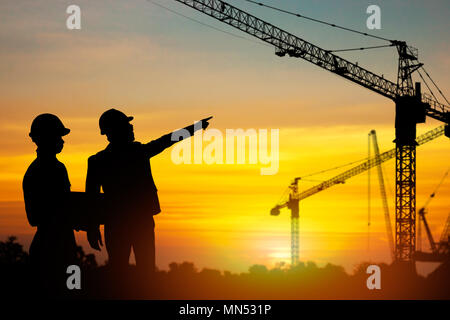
[(287, 43), (370, 163)]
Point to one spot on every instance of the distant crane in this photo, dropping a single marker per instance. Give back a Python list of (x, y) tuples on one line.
[(422, 212), (387, 218), (295, 196), (439, 250), (411, 106), (444, 242)]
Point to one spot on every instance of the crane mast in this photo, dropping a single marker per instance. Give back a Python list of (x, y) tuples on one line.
[(387, 217), (293, 205), (411, 106)]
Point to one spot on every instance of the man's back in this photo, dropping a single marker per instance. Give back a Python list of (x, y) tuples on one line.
[(44, 184), (124, 174)]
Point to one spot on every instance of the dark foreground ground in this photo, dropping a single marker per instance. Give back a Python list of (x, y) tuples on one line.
[(183, 281)]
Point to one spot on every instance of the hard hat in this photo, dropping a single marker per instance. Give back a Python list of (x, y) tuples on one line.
[(111, 119), (47, 124)]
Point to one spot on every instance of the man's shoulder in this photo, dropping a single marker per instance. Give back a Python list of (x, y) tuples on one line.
[(99, 156), (39, 169), (33, 165), (137, 144), (60, 165), (32, 169), (108, 152)]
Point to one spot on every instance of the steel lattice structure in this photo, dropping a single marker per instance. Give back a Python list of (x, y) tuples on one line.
[(411, 106), (405, 231), (295, 196), (295, 243)]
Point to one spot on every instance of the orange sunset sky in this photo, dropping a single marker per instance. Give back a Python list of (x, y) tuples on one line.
[(168, 71)]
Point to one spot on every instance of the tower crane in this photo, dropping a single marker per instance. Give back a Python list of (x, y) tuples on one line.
[(295, 196), (439, 250), (387, 218), (444, 242), (411, 106)]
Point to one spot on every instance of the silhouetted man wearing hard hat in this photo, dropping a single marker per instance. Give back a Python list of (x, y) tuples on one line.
[(45, 186), (123, 171)]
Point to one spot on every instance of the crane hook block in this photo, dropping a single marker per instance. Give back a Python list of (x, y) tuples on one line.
[(275, 212)]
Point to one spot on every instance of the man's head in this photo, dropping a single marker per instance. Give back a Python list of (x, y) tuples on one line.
[(47, 131), (116, 126)]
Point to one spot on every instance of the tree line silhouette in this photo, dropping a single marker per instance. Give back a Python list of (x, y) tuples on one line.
[(185, 281)]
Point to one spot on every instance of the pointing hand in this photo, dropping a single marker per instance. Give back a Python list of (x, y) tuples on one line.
[(205, 122)]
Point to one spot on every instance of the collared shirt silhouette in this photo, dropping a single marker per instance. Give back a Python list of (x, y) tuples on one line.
[(124, 173), (45, 186)]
